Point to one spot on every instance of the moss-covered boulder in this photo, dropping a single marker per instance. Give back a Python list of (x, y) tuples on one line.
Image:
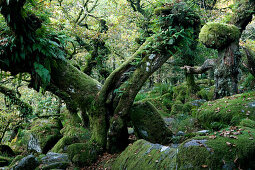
[(146, 155), (83, 154), (231, 148), (218, 35), (28, 162), (54, 161), (63, 143), (148, 124), (79, 132), (47, 131), (227, 111)]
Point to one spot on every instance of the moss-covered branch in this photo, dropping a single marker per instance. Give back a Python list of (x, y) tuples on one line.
[(207, 65), (24, 108)]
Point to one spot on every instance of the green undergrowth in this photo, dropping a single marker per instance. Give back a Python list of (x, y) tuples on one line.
[(226, 111), (171, 100)]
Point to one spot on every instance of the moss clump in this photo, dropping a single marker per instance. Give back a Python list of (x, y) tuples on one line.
[(248, 123), (146, 155), (83, 154), (218, 35), (177, 108), (63, 143), (228, 149), (148, 124), (81, 133), (226, 111)]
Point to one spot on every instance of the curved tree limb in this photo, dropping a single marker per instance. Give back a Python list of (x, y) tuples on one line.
[(207, 65)]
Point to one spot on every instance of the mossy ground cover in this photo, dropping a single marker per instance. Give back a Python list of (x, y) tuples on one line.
[(226, 111), (230, 148)]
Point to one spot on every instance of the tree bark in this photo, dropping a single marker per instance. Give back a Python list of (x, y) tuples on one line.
[(107, 106), (226, 72)]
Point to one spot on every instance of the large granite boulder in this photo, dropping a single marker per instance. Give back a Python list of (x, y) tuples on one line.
[(148, 124)]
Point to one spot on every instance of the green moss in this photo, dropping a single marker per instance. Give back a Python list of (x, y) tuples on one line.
[(145, 155), (220, 152), (47, 131), (62, 144), (148, 124), (162, 103), (80, 132), (226, 111), (248, 123), (83, 154), (218, 35), (177, 108)]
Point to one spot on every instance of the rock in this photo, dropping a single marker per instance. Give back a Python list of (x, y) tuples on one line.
[(251, 105), (57, 165), (83, 154), (180, 133), (220, 150), (29, 162), (33, 145), (6, 150), (63, 143), (130, 131), (203, 132), (148, 124), (198, 103), (146, 155), (169, 121), (47, 131), (228, 110), (55, 161)]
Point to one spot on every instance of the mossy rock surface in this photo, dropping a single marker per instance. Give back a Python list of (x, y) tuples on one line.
[(227, 149), (144, 155), (218, 35), (148, 124), (227, 111), (83, 154), (80, 132), (47, 131), (63, 143)]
